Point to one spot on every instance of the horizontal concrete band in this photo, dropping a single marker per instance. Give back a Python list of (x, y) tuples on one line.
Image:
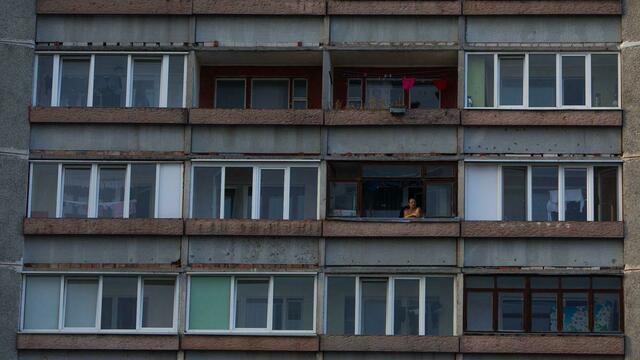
[(323, 228), (331, 7), (520, 344), (317, 117)]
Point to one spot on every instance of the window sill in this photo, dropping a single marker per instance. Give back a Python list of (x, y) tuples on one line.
[(249, 343), (268, 7), (201, 116), (248, 227), (118, 115), (536, 229), (543, 344), (26, 341), (541, 117), (391, 228), (168, 7), (431, 344), (554, 7), (406, 7), (384, 117), (49, 226)]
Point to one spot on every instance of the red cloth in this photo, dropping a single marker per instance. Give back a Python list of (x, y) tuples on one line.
[(407, 83), (440, 84)]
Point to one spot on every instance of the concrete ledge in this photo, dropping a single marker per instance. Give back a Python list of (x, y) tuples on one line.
[(107, 115), (96, 342), (151, 7), (544, 7), (260, 7), (249, 343), (255, 117), (542, 118), (431, 344), (398, 7), (241, 227), (383, 117), (41, 226), (555, 229), (105, 155), (172, 267), (543, 344), (338, 228)]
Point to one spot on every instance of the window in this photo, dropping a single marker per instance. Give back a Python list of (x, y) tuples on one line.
[(542, 80), (543, 304), (230, 93), (110, 80), (300, 90), (384, 93), (269, 94), (85, 190), (383, 191), (424, 95), (543, 192), (354, 94), (284, 191), (256, 303), (95, 303), (390, 305)]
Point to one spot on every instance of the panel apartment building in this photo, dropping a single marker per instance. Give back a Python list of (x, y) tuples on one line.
[(320, 179)]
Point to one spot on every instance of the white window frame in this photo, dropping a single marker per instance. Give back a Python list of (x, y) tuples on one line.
[(304, 99), (63, 277), (390, 313), (559, 95), (288, 80), (234, 276), (256, 183), (164, 75), (94, 183), (244, 93), (561, 186)]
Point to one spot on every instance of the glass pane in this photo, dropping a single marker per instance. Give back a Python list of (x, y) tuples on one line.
[(607, 282), (545, 282), (157, 303), (479, 282), (303, 193), (542, 80), (393, 171), (406, 307), (439, 198), (146, 82), (383, 94), (544, 197), (270, 94), (373, 311), (300, 88), (343, 199), (439, 306), (299, 104), (575, 194), (354, 88), (604, 80), (251, 303), (176, 81), (119, 297), (510, 282), (42, 302), (111, 192), (293, 302), (44, 185), (341, 305), (511, 311), (238, 193), (143, 191), (424, 95), (44, 80), (230, 94), (511, 79), (345, 171), (440, 171), (514, 195), (272, 194), (479, 310), (76, 192), (390, 198), (544, 312), (575, 308), (206, 192), (606, 193), (74, 81), (209, 302), (606, 312), (81, 303), (480, 81), (109, 81), (573, 80), (575, 282)]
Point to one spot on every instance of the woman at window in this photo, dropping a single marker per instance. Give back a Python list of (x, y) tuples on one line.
[(412, 210)]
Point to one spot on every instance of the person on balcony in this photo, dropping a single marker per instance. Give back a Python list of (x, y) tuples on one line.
[(412, 211)]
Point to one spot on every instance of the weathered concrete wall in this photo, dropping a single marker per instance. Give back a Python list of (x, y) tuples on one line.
[(390, 252), (382, 140), (247, 355), (101, 249), (97, 355), (347, 30), (383, 356), (258, 250), (537, 357), (543, 29), (541, 140), (113, 29), (107, 137), (543, 252), (256, 139), (259, 30)]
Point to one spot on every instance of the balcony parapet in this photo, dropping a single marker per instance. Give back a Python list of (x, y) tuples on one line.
[(48, 226), (431, 344), (384, 117), (400, 7), (395, 228), (108, 115), (114, 7), (543, 344), (545, 7), (250, 343), (97, 342), (535, 229), (203, 116), (242, 227), (542, 118)]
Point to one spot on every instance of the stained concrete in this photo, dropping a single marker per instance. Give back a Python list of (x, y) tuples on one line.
[(537, 357), (248, 355), (258, 250), (393, 139), (389, 252), (256, 139), (389, 29), (14, 176), (16, 87), (97, 355), (10, 296), (383, 356)]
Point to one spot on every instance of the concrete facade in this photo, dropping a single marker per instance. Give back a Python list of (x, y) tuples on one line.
[(333, 35)]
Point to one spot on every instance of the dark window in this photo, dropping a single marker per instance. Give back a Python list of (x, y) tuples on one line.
[(514, 193), (230, 94), (606, 193)]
